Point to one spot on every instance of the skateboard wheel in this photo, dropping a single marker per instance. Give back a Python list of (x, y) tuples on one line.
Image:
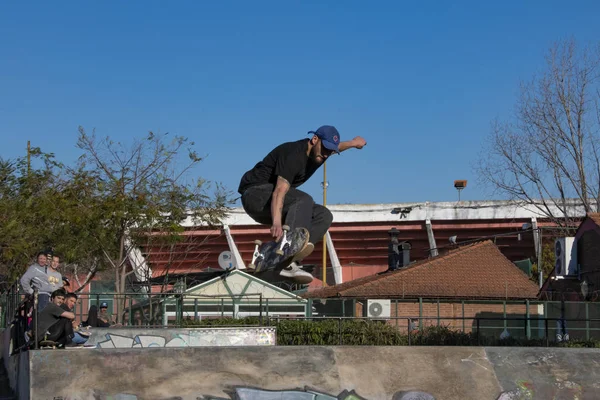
[(258, 242), (286, 227), (279, 252)]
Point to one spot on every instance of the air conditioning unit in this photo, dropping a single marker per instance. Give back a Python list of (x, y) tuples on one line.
[(565, 251), (378, 309)]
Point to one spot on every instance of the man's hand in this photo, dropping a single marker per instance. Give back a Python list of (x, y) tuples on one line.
[(356, 143), (276, 230), (359, 142), (277, 206)]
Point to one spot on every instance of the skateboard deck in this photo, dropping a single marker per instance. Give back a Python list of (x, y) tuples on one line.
[(48, 344), (276, 255)]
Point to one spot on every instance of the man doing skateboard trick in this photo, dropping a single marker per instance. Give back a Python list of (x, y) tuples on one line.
[(269, 190)]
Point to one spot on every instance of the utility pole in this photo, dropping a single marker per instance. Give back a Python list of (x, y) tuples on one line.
[(325, 184), (28, 156)]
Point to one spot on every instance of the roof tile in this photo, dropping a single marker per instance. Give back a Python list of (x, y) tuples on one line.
[(475, 271), (594, 217)]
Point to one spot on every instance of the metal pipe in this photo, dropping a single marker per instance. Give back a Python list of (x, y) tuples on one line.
[(35, 318), (324, 277)]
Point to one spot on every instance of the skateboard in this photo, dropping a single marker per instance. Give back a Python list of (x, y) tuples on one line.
[(48, 344), (276, 255)]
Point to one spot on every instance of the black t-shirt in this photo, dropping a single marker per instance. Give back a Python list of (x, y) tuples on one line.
[(48, 317), (288, 160)]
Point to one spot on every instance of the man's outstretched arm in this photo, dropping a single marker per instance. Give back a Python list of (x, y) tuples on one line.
[(357, 143), (279, 193)]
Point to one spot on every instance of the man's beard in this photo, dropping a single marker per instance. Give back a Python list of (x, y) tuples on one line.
[(316, 157)]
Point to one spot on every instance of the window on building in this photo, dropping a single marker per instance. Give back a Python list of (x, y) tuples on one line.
[(102, 292)]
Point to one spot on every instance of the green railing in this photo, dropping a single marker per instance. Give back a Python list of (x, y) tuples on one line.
[(482, 319)]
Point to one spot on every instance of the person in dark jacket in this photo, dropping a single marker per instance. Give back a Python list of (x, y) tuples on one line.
[(54, 323), (93, 321)]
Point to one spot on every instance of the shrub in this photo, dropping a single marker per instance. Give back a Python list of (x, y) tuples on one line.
[(248, 321), (338, 332), (332, 332), (443, 336)]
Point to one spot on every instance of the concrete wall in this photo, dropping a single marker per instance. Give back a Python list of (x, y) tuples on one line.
[(323, 373), (420, 211)]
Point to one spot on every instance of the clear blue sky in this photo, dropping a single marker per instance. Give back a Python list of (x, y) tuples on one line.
[(420, 81)]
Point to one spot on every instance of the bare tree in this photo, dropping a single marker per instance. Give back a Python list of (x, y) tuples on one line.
[(548, 155), (85, 269), (139, 192), (167, 259)]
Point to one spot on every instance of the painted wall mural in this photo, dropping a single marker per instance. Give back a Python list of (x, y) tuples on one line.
[(128, 338), (248, 393)]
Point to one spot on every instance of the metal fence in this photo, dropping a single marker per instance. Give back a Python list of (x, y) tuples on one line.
[(415, 331), (483, 322)]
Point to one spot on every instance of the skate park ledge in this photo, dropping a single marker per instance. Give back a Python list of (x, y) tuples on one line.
[(128, 364)]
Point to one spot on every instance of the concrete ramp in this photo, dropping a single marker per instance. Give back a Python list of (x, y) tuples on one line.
[(546, 373), (315, 373)]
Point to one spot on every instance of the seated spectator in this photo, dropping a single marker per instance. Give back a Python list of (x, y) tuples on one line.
[(126, 321), (137, 318), (69, 303), (80, 336), (93, 320), (54, 323), (104, 316)]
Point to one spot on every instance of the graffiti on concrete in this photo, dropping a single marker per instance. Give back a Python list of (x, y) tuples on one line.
[(525, 391), (249, 393), (185, 338), (245, 393)]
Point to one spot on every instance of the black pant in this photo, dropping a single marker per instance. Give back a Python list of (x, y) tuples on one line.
[(299, 210), (61, 332)]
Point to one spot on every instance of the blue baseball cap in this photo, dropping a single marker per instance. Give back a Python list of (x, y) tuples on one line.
[(329, 136)]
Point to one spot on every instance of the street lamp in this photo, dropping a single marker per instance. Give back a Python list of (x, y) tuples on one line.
[(460, 185)]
